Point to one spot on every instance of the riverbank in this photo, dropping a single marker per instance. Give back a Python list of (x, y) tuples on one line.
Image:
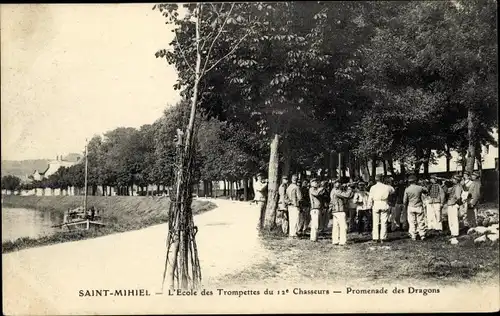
[(120, 213), (48, 280)]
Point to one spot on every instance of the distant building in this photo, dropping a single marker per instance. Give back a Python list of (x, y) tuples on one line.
[(54, 165)]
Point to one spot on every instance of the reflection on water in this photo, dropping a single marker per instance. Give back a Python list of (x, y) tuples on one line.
[(21, 222)]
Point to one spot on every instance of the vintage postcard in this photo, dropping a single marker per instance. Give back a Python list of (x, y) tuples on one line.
[(249, 157)]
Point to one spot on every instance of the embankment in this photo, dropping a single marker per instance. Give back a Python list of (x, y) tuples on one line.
[(120, 213)]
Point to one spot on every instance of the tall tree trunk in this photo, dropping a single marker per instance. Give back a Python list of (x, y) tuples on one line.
[(352, 165), (272, 197), (426, 168), (250, 187), (332, 164), (390, 166), (479, 162), (287, 155), (374, 167), (402, 168), (471, 136), (427, 159), (245, 189), (463, 162), (341, 162), (419, 159), (181, 235), (225, 188), (385, 167), (448, 158), (365, 172)]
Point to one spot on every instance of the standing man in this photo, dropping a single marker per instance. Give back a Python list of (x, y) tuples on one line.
[(473, 199), (315, 193), (352, 209), (412, 200), (379, 196), (294, 197), (305, 208), (260, 196), (454, 201), (399, 220), (435, 203), (338, 200), (466, 183), (325, 207), (282, 215), (391, 223), (362, 200)]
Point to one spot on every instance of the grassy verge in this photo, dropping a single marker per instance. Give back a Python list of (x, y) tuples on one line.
[(120, 213), (362, 263)]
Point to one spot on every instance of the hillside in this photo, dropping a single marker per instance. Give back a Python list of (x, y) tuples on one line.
[(23, 168)]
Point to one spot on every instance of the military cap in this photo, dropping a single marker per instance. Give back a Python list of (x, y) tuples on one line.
[(412, 178)]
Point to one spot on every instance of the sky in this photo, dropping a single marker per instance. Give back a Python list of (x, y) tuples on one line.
[(69, 72)]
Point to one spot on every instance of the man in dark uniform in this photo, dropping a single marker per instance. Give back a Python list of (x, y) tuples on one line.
[(305, 207)]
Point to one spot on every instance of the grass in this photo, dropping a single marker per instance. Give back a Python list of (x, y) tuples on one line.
[(120, 213), (302, 261)]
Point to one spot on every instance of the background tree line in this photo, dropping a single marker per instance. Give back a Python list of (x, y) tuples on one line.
[(312, 86), (353, 81)]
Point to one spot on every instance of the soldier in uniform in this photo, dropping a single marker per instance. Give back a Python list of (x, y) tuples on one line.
[(473, 199), (294, 198), (282, 214), (338, 204), (453, 204), (363, 208), (260, 196), (305, 208), (315, 193)]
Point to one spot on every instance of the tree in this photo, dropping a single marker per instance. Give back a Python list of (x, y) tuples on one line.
[(430, 72), (95, 171), (174, 117), (11, 183), (283, 73), (181, 232)]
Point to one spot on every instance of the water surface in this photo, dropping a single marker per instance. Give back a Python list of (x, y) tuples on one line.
[(22, 222)]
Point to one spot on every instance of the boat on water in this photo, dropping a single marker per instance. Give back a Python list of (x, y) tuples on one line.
[(82, 217)]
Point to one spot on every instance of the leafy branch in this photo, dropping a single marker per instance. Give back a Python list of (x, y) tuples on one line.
[(215, 39)]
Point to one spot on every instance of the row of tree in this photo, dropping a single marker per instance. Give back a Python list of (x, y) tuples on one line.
[(298, 86), (127, 157), (380, 81)]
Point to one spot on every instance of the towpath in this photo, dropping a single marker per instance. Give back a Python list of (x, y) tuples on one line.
[(48, 280)]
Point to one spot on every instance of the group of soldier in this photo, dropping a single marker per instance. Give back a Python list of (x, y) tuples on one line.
[(411, 205)]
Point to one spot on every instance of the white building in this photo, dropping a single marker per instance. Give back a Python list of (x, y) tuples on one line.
[(54, 165)]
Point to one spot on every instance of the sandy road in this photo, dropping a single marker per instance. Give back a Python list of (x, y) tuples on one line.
[(47, 280)]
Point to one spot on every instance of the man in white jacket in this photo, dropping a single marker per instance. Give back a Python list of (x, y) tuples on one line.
[(294, 198), (379, 196)]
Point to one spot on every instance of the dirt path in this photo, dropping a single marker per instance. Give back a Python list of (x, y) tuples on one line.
[(47, 280)]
